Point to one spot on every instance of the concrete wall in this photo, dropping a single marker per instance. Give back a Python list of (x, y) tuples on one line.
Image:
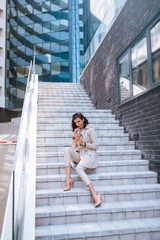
[(100, 79), (2, 51)]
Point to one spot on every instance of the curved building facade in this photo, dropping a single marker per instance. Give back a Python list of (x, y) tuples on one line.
[(47, 30)]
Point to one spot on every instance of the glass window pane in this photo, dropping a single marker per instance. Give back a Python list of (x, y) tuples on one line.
[(64, 14), (20, 72), (13, 12), (64, 46), (55, 25), (38, 59), (55, 6), (55, 36), (64, 35), (124, 78), (20, 61), (13, 52), (46, 17), (46, 37), (29, 19), (46, 69), (64, 67), (29, 29), (46, 6), (39, 69), (155, 47), (46, 27), (65, 56), (55, 57), (63, 4), (38, 38), (29, 9), (55, 16), (37, 28), (46, 57), (140, 67), (55, 68), (55, 47), (13, 22), (63, 24), (29, 50), (12, 82), (21, 11), (21, 31), (37, 8), (20, 92)]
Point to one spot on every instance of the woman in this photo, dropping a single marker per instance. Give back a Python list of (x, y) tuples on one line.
[(83, 152)]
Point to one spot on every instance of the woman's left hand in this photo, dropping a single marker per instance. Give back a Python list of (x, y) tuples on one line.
[(82, 142)]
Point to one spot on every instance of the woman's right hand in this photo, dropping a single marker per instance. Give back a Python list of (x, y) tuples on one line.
[(76, 129)]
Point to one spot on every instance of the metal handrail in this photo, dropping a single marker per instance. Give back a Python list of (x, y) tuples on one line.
[(22, 188)]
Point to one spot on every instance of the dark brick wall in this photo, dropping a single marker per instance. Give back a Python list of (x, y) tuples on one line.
[(142, 114)]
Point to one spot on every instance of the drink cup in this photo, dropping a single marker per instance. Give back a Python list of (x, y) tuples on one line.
[(77, 135)]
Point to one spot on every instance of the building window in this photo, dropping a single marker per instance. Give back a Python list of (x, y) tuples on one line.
[(155, 51), (124, 77), (139, 67)]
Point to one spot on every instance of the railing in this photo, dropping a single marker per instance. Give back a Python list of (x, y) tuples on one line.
[(19, 221)]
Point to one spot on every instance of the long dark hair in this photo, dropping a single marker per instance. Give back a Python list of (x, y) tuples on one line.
[(78, 115)]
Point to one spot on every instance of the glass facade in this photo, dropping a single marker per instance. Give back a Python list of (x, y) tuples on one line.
[(42, 29), (99, 16), (139, 67)]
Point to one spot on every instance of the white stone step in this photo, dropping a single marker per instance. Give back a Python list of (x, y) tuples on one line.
[(51, 130), (59, 147), (50, 138), (59, 86), (81, 213), (68, 122), (61, 95), (145, 228), (65, 103), (104, 129), (99, 179), (68, 119), (67, 126), (56, 157), (90, 112), (69, 134), (103, 166), (74, 108), (109, 194), (62, 91), (61, 98)]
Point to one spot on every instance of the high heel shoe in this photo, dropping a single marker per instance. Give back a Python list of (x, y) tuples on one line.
[(99, 201), (71, 183)]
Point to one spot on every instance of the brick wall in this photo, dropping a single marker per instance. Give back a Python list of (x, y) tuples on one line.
[(142, 114)]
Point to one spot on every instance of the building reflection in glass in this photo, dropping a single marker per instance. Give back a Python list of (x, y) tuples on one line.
[(42, 29)]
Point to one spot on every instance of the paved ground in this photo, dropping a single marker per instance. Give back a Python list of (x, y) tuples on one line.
[(8, 131)]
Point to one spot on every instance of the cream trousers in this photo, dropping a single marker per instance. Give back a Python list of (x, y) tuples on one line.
[(71, 156)]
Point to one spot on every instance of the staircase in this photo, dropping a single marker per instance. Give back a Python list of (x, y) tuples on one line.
[(131, 195)]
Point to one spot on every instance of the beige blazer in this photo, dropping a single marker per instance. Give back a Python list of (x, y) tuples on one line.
[(88, 154)]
